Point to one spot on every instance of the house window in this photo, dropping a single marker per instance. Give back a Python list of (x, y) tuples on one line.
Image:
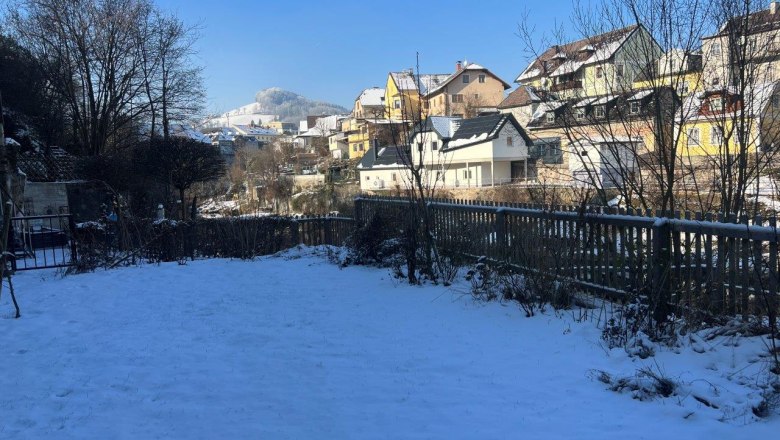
[(393, 177), (683, 88), (550, 117), (397, 103), (354, 147), (619, 70), (634, 107), (456, 99), (715, 49), (509, 141), (467, 174), (716, 104), (752, 46), (419, 146), (579, 113), (716, 135), (600, 111), (482, 79), (440, 176), (465, 79), (362, 146), (693, 136), (599, 72), (476, 96), (368, 178), (434, 145)]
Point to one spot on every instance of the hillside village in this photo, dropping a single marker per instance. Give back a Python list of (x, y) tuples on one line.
[(583, 114), (611, 118)]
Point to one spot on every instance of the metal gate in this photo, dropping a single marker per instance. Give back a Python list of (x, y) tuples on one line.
[(41, 241)]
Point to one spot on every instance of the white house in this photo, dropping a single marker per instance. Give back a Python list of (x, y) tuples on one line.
[(603, 162), (483, 151), (384, 168)]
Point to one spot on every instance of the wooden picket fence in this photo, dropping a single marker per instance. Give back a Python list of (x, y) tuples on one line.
[(684, 259), (315, 231)]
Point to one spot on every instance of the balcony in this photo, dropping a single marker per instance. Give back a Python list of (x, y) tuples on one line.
[(568, 85)]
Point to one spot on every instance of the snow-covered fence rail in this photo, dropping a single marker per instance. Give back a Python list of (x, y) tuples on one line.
[(680, 260)]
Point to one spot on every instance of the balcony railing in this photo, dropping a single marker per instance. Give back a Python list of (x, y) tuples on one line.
[(574, 84)]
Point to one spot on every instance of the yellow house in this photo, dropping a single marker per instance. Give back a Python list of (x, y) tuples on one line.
[(603, 64), (404, 91), (676, 69), (715, 118)]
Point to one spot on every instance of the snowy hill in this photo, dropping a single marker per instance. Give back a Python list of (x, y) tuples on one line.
[(275, 103)]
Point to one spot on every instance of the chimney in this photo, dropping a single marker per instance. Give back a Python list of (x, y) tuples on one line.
[(458, 66), (773, 8)]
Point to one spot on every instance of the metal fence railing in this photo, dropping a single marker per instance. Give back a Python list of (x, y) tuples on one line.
[(42, 241)]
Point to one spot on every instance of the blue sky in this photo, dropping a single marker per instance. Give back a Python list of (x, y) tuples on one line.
[(331, 50)]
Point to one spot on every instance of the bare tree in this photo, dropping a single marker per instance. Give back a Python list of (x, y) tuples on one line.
[(114, 63), (183, 162)]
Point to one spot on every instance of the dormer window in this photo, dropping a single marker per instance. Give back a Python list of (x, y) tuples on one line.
[(716, 104), (600, 111), (634, 107), (620, 70), (579, 113), (599, 72), (550, 117)]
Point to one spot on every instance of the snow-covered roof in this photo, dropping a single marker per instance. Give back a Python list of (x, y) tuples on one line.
[(443, 125), (373, 97), (249, 130), (584, 102), (757, 98), (482, 128), (568, 66), (604, 100), (468, 67), (640, 94), (408, 81), (599, 139), (568, 58)]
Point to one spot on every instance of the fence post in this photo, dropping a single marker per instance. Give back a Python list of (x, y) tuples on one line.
[(661, 269), (359, 211), (72, 227), (501, 232), (328, 233), (294, 237)]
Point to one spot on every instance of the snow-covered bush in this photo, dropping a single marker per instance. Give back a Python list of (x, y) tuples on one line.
[(484, 280), (375, 243)]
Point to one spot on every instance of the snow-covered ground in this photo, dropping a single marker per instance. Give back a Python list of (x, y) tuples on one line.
[(294, 347)]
